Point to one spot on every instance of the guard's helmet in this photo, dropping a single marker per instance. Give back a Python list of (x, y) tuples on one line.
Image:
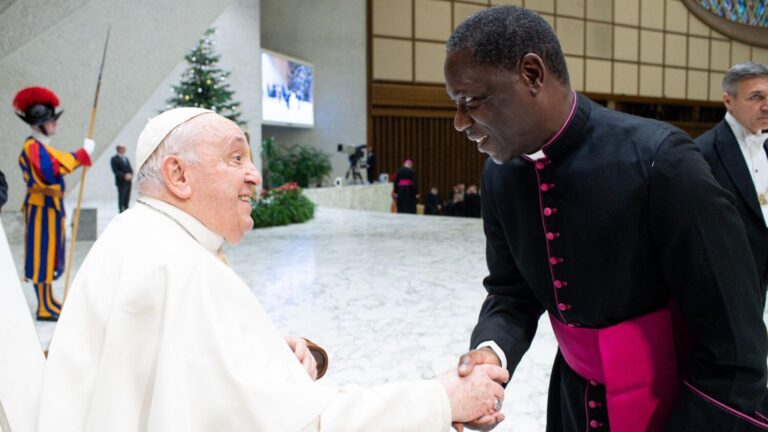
[(36, 105)]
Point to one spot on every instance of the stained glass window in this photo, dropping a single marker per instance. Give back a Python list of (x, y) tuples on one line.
[(750, 12)]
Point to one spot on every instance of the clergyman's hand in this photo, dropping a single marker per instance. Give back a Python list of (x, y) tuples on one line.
[(299, 348), (477, 395), (484, 355)]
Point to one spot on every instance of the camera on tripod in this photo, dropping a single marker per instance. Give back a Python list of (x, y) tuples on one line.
[(356, 161)]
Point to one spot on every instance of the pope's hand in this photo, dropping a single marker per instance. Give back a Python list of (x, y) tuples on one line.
[(477, 395), (299, 348), (89, 146)]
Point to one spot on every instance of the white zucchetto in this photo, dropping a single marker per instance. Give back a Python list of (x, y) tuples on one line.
[(159, 127)]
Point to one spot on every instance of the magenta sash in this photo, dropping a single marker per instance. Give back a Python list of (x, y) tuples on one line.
[(405, 182), (636, 362)]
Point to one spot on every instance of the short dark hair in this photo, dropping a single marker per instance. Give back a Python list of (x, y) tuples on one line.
[(502, 35)]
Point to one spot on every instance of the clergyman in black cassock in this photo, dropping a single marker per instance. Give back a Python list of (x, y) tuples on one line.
[(405, 188), (747, 117), (615, 227)]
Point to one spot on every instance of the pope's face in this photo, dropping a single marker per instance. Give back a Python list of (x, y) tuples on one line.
[(223, 180), (493, 107), (750, 105)]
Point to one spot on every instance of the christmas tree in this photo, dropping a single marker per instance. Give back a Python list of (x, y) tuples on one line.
[(203, 84)]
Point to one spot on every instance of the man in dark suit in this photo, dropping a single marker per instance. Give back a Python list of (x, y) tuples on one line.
[(123, 175), (736, 151)]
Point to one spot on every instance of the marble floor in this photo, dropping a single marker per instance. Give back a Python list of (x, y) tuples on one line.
[(390, 297)]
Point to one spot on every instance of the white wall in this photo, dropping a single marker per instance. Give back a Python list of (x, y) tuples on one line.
[(237, 41), (59, 45), (330, 34)]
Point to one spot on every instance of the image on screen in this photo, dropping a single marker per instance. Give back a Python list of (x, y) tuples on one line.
[(287, 96)]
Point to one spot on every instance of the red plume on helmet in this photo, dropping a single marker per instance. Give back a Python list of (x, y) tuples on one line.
[(36, 105)]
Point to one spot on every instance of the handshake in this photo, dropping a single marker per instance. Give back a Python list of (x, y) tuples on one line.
[(475, 390)]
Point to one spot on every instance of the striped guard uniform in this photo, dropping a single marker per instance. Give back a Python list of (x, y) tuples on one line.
[(43, 168)]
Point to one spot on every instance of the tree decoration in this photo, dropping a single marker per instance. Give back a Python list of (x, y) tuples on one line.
[(203, 84)]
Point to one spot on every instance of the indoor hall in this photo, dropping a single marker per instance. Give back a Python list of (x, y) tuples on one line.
[(350, 125)]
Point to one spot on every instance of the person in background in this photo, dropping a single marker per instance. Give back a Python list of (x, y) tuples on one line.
[(121, 167), (472, 203), (736, 150), (3, 190), (432, 203), (43, 168), (370, 164), (405, 190)]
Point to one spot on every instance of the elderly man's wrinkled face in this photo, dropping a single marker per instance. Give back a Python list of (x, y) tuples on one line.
[(224, 179), (750, 105), (492, 107)]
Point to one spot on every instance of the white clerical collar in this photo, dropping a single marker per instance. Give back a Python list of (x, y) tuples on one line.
[(743, 135), (45, 139), (209, 239)]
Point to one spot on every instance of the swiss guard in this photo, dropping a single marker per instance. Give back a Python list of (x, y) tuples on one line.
[(43, 168)]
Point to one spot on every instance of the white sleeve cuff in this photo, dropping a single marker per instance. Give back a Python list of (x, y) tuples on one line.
[(492, 345)]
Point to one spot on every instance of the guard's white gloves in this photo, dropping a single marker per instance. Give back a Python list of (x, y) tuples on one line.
[(89, 145)]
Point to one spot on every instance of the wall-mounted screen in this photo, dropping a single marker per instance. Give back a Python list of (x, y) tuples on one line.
[(287, 90)]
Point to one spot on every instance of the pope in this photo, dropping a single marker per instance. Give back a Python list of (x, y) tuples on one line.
[(160, 334)]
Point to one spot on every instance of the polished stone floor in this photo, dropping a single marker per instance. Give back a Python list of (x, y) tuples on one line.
[(391, 297)]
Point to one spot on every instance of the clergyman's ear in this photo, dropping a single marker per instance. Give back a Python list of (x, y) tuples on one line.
[(174, 171), (533, 71)]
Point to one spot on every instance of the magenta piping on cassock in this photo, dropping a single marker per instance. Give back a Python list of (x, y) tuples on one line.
[(549, 253), (560, 131), (728, 409)]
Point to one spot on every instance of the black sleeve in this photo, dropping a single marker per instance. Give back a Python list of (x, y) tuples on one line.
[(706, 260), (115, 166), (3, 190), (510, 314)]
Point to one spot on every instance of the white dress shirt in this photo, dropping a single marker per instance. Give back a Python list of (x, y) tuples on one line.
[(751, 146)]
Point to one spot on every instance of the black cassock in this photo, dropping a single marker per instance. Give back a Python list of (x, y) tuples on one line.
[(626, 217), (405, 188)]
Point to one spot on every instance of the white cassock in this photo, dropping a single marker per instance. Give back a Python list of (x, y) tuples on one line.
[(158, 334), (21, 357)]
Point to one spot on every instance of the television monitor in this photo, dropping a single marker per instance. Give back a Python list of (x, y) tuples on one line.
[(287, 90)]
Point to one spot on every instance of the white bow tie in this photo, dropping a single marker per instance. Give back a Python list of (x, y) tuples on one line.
[(756, 139)]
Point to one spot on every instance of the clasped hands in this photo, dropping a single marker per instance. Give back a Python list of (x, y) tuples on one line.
[(475, 390)]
